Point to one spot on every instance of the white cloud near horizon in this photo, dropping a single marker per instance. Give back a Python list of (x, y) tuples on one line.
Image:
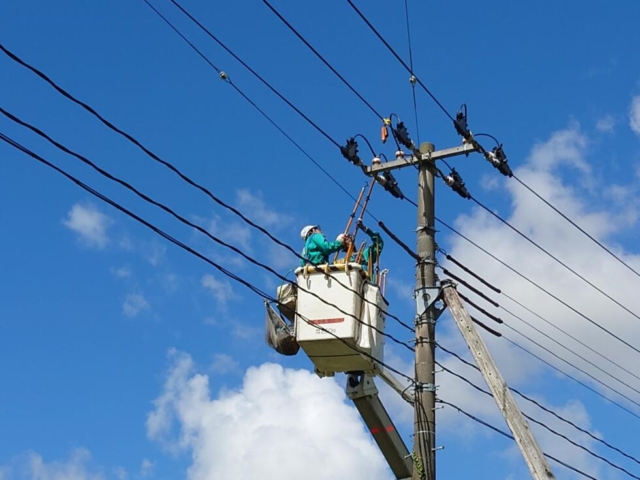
[(90, 224), (279, 424)]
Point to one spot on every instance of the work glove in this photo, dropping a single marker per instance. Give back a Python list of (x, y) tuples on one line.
[(359, 224), (341, 238)]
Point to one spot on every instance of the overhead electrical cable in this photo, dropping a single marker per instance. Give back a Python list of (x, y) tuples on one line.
[(546, 335), (255, 74), (543, 425), (199, 228), (505, 434), (180, 244), (409, 68), (548, 410), (568, 219), (249, 100), (556, 259), (527, 279)]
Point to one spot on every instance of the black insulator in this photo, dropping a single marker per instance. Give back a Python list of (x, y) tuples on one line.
[(402, 134), (350, 151)]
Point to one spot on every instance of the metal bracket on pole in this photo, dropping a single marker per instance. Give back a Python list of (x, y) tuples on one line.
[(425, 298), (426, 387)]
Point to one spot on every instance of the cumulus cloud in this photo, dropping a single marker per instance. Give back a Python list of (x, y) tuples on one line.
[(221, 290), (279, 424), (90, 224), (634, 114), (31, 466), (134, 303)]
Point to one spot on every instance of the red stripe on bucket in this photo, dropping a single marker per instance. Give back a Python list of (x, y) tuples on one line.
[(324, 321)]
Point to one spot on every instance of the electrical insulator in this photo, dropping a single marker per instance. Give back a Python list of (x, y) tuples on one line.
[(402, 134), (399, 155), (350, 152), (498, 159), (390, 184), (454, 180), (376, 161), (461, 124)]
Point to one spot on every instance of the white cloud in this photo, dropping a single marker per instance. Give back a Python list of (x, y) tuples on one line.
[(223, 363), (255, 208), (147, 467), (133, 304), (221, 289), (121, 473), (606, 124), (279, 424), (634, 114), (31, 466), (90, 224)]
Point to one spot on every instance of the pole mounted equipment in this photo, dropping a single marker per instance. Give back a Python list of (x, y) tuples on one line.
[(350, 152), (498, 159), (454, 180), (390, 184)]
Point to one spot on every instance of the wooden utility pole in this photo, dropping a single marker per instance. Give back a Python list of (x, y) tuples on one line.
[(518, 425)]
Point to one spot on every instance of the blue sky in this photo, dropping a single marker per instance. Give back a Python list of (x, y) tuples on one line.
[(124, 357)]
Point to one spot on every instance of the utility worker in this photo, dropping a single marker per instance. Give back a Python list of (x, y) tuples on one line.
[(317, 248), (373, 251)]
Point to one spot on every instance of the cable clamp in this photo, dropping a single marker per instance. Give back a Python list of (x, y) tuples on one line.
[(426, 387)]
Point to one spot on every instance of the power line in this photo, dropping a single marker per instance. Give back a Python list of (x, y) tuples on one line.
[(546, 409), (409, 69), (256, 74), (199, 228), (412, 79), (556, 259), (505, 434), (546, 427), (149, 153), (250, 101), (568, 219), (550, 365), (168, 164), (324, 60), (581, 357), (180, 244), (524, 277)]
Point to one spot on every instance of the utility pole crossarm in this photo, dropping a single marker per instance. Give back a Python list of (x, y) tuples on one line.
[(518, 425), (421, 157)]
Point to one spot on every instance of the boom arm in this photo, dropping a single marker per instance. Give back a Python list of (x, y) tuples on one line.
[(364, 393)]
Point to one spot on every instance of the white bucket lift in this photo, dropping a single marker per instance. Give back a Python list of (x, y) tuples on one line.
[(332, 320)]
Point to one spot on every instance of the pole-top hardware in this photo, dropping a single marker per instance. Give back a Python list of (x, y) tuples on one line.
[(350, 152), (454, 180), (498, 159), (441, 447)]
